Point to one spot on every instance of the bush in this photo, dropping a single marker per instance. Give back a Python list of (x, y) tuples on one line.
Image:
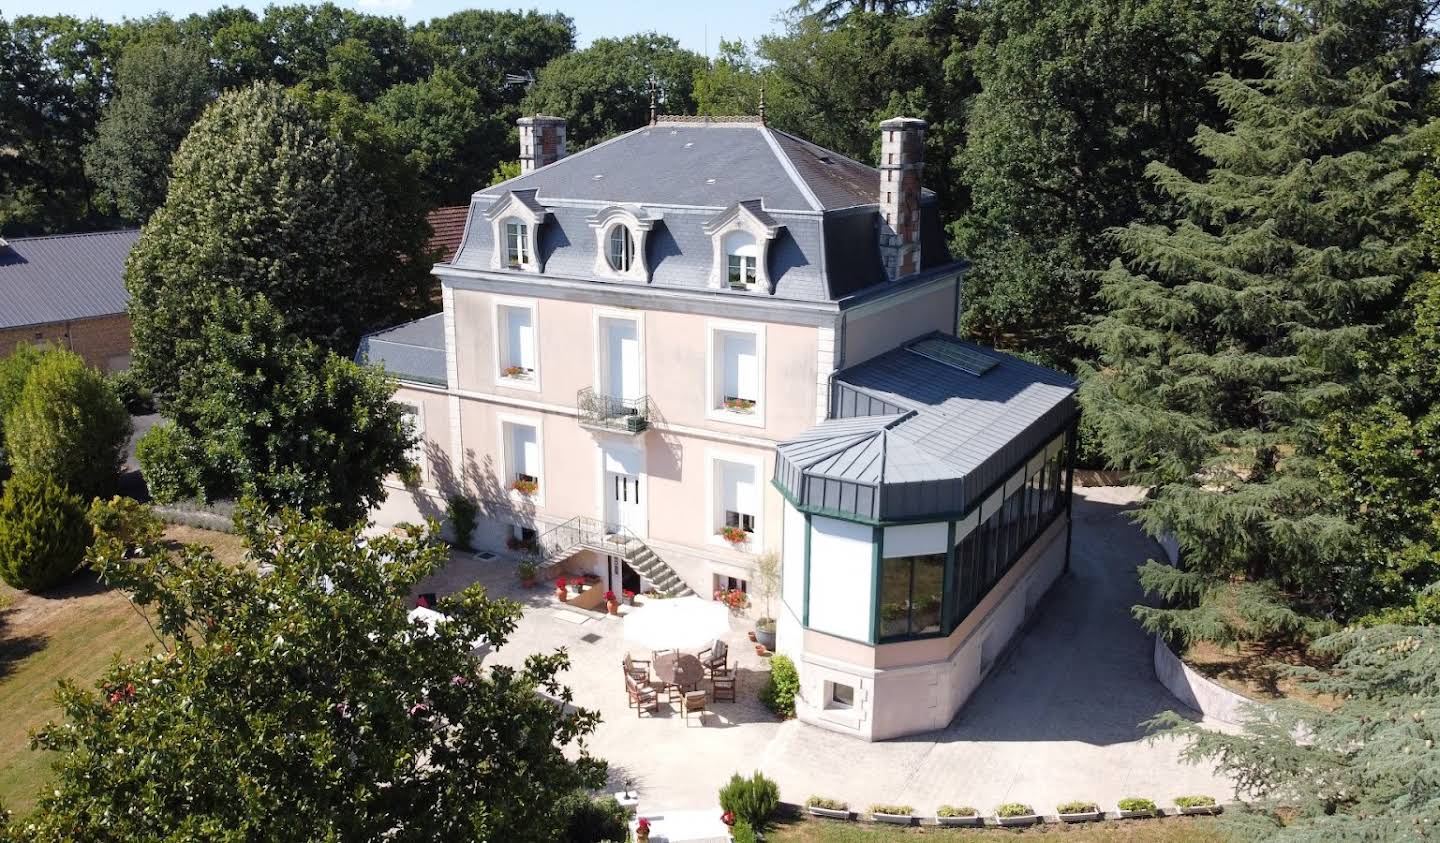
[(778, 695), (67, 424), (893, 810), (43, 533), (127, 521), (1014, 809), (743, 833), (827, 803), (587, 820), (1079, 806), (134, 395), (462, 512), (166, 464), (1195, 801), (1135, 804), (15, 366), (952, 811), (754, 800)]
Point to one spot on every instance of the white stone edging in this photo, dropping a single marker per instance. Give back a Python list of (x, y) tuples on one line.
[(1196, 690)]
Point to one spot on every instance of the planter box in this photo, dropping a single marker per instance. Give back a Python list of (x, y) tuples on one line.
[(1200, 810), (895, 819), (1138, 815), (972, 822), (1015, 822), (828, 813), (1085, 817)]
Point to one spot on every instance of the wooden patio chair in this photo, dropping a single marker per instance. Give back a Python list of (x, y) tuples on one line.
[(637, 669), (695, 701), (641, 698), (722, 685), (715, 657)]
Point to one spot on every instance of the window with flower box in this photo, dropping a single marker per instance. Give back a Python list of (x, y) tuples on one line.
[(515, 345), (736, 377), (736, 502), (524, 470)]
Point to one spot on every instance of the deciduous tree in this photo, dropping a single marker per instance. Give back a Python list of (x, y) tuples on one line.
[(303, 705)]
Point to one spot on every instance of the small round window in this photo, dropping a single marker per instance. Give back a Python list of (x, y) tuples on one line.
[(621, 251)]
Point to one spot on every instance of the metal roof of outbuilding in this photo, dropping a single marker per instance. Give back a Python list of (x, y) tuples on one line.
[(414, 351), (64, 277)]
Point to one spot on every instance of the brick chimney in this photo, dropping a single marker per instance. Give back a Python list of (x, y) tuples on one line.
[(902, 158), (542, 141)]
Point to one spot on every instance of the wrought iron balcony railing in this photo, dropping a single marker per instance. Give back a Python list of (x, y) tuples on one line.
[(623, 415)]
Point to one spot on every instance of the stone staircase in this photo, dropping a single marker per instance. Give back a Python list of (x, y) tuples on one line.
[(565, 540)]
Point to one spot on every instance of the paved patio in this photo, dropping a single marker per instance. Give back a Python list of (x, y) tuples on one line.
[(1058, 719)]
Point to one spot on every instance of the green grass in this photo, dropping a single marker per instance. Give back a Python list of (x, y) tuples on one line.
[(71, 633), (1174, 830)]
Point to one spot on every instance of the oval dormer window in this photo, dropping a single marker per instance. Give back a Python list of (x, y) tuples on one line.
[(517, 244), (620, 251), (742, 260)]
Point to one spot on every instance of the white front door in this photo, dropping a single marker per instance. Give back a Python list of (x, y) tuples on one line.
[(623, 507)]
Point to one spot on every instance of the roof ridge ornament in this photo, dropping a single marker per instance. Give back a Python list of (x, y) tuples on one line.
[(762, 99), (654, 111)]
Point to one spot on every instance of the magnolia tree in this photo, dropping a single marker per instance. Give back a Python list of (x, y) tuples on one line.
[(302, 704)]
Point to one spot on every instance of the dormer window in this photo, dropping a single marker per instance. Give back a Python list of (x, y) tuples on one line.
[(742, 235), (517, 244), (515, 220), (620, 234), (741, 261), (622, 248)]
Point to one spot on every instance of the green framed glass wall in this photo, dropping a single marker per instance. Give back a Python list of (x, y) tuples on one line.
[(928, 595)]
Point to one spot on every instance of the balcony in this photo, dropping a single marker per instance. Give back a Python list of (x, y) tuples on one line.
[(629, 416)]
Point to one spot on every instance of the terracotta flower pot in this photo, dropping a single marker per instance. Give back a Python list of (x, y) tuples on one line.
[(613, 606), (759, 649), (560, 593), (752, 635)]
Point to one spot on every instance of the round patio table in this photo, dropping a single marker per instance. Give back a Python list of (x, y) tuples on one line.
[(679, 669)]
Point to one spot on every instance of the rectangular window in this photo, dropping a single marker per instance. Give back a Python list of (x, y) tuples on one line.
[(737, 499), (912, 590), (894, 597), (742, 271), (522, 458), (841, 696), (515, 335), (415, 426), (737, 374), (517, 244)]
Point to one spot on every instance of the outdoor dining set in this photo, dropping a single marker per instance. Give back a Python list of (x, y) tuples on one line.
[(679, 676)]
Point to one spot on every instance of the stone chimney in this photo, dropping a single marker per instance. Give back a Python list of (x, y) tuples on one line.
[(542, 141), (902, 158)]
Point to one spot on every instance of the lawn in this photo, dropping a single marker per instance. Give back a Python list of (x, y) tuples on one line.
[(1173, 830), (72, 633)]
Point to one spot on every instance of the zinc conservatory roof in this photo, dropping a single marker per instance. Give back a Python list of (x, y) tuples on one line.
[(923, 430)]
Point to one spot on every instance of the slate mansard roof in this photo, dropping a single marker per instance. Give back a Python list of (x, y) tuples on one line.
[(64, 278), (911, 437), (414, 351), (686, 172)]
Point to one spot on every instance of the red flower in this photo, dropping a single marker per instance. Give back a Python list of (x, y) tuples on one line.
[(643, 824), (728, 818), (629, 594), (610, 596), (561, 582)]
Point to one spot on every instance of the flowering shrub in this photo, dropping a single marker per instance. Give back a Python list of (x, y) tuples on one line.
[(735, 599), (734, 535)]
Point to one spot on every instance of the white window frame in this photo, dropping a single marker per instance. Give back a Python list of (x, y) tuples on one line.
[(500, 332), (416, 453), (714, 379), (738, 218), (715, 516), (835, 705), (635, 219), (600, 369), (512, 210), (749, 256), (504, 422), (517, 253)]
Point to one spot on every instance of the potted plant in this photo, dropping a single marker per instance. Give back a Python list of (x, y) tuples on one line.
[(560, 592), (1078, 811), (739, 405), (735, 536), (518, 372), (611, 604), (1197, 805), (1016, 814), (962, 815), (629, 597), (526, 486), (642, 829), (893, 814), (820, 806), (527, 571), (1135, 808), (734, 599), (767, 579), (577, 586)]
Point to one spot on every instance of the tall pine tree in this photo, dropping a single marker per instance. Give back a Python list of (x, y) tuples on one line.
[(1232, 333)]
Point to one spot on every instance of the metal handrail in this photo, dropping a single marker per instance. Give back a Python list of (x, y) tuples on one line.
[(611, 411), (593, 532)]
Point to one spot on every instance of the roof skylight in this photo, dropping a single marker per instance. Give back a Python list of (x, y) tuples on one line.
[(954, 355)]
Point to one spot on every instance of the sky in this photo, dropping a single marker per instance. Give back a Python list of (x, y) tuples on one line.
[(698, 26)]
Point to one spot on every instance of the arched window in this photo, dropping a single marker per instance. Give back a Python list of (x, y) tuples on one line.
[(517, 244), (742, 260), (621, 248)]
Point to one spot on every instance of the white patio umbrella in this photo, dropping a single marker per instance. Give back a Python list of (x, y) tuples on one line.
[(679, 623)]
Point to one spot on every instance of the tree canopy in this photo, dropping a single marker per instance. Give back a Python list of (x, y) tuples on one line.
[(301, 704)]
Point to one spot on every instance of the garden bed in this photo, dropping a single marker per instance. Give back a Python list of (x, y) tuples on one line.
[(1168, 830), (1257, 670)]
